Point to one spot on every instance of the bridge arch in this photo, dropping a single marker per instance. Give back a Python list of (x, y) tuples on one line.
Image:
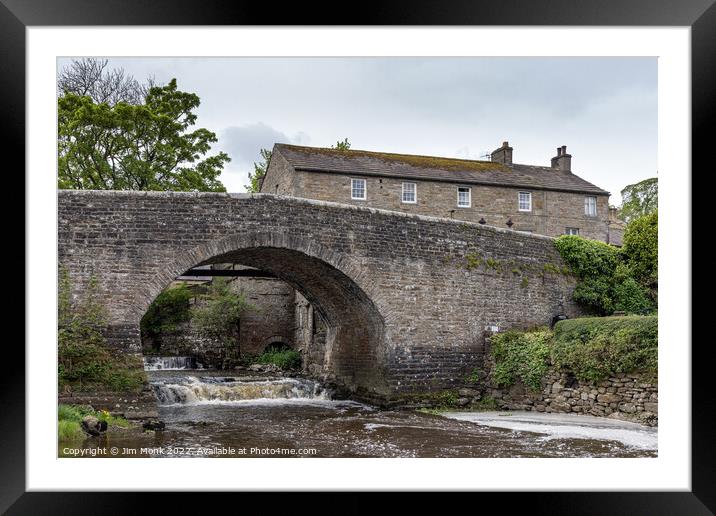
[(338, 289)]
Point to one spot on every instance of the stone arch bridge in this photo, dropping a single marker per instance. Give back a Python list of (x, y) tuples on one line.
[(407, 299)]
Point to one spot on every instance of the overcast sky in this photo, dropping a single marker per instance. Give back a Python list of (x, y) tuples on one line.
[(603, 109)]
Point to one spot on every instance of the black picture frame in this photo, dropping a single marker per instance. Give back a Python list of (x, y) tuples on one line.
[(700, 15)]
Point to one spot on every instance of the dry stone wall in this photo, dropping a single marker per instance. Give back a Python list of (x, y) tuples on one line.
[(626, 396)]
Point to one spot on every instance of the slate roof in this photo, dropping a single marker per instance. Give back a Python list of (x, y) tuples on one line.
[(433, 168)]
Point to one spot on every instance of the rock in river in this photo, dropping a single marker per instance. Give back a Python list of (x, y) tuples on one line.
[(93, 426)]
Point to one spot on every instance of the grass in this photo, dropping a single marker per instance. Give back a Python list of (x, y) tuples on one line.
[(283, 358), (69, 418), (280, 355)]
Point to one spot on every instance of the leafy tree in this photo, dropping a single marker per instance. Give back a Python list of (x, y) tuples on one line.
[(89, 77), (606, 280), (342, 145), (641, 250), (639, 199), (218, 315), (136, 147), (254, 185)]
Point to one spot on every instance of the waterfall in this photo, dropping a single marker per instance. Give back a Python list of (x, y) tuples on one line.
[(190, 390), (172, 363)]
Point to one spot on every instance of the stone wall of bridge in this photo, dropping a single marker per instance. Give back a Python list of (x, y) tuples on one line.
[(406, 299)]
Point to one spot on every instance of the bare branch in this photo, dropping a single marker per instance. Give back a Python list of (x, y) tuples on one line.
[(90, 77)]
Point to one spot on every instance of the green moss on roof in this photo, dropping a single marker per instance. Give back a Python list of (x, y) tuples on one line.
[(432, 162)]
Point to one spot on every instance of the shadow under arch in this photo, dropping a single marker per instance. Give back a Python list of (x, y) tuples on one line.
[(276, 339), (337, 288)]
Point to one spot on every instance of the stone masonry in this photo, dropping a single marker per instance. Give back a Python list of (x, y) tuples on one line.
[(405, 298)]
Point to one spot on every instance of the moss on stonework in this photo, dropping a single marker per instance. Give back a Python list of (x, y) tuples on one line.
[(434, 162), (551, 268), (491, 263), (473, 261)]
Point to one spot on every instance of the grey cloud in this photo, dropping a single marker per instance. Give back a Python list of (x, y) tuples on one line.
[(243, 143)]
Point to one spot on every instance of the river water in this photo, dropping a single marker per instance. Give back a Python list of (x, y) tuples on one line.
[(213, 414)]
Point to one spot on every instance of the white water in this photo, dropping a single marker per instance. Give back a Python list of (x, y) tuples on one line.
[(191, 390), (566, 426), (170, 363)]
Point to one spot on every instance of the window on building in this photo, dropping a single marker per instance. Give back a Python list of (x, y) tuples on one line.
[(572, 231), (524, 201), (410, 193), (590, 206), (463, 197), (358, 189)]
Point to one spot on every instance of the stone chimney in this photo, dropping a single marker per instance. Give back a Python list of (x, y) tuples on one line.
[(503, 154), (562, 160)]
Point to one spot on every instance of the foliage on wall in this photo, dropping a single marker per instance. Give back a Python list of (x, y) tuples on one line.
[(84, 361)]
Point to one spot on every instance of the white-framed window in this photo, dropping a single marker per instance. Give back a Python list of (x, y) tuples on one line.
[(572, 231), (524, 201), (590, 206), (358, 189), (410, 193), (464, 197)]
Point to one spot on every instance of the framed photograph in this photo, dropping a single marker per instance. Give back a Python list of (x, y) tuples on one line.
[(419, 252)]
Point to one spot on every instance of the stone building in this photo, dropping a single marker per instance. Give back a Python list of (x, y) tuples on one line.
[(547, 200)]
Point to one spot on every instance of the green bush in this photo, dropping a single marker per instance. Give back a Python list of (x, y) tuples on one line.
[(628, 295), (588, 258), (217, 316), (592, 348), (522, 355), (599, 347), (283, 358), (607, 282), (641, 251)]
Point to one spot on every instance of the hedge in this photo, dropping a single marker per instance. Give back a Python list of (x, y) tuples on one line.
[(598, 347), (592, 348)]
